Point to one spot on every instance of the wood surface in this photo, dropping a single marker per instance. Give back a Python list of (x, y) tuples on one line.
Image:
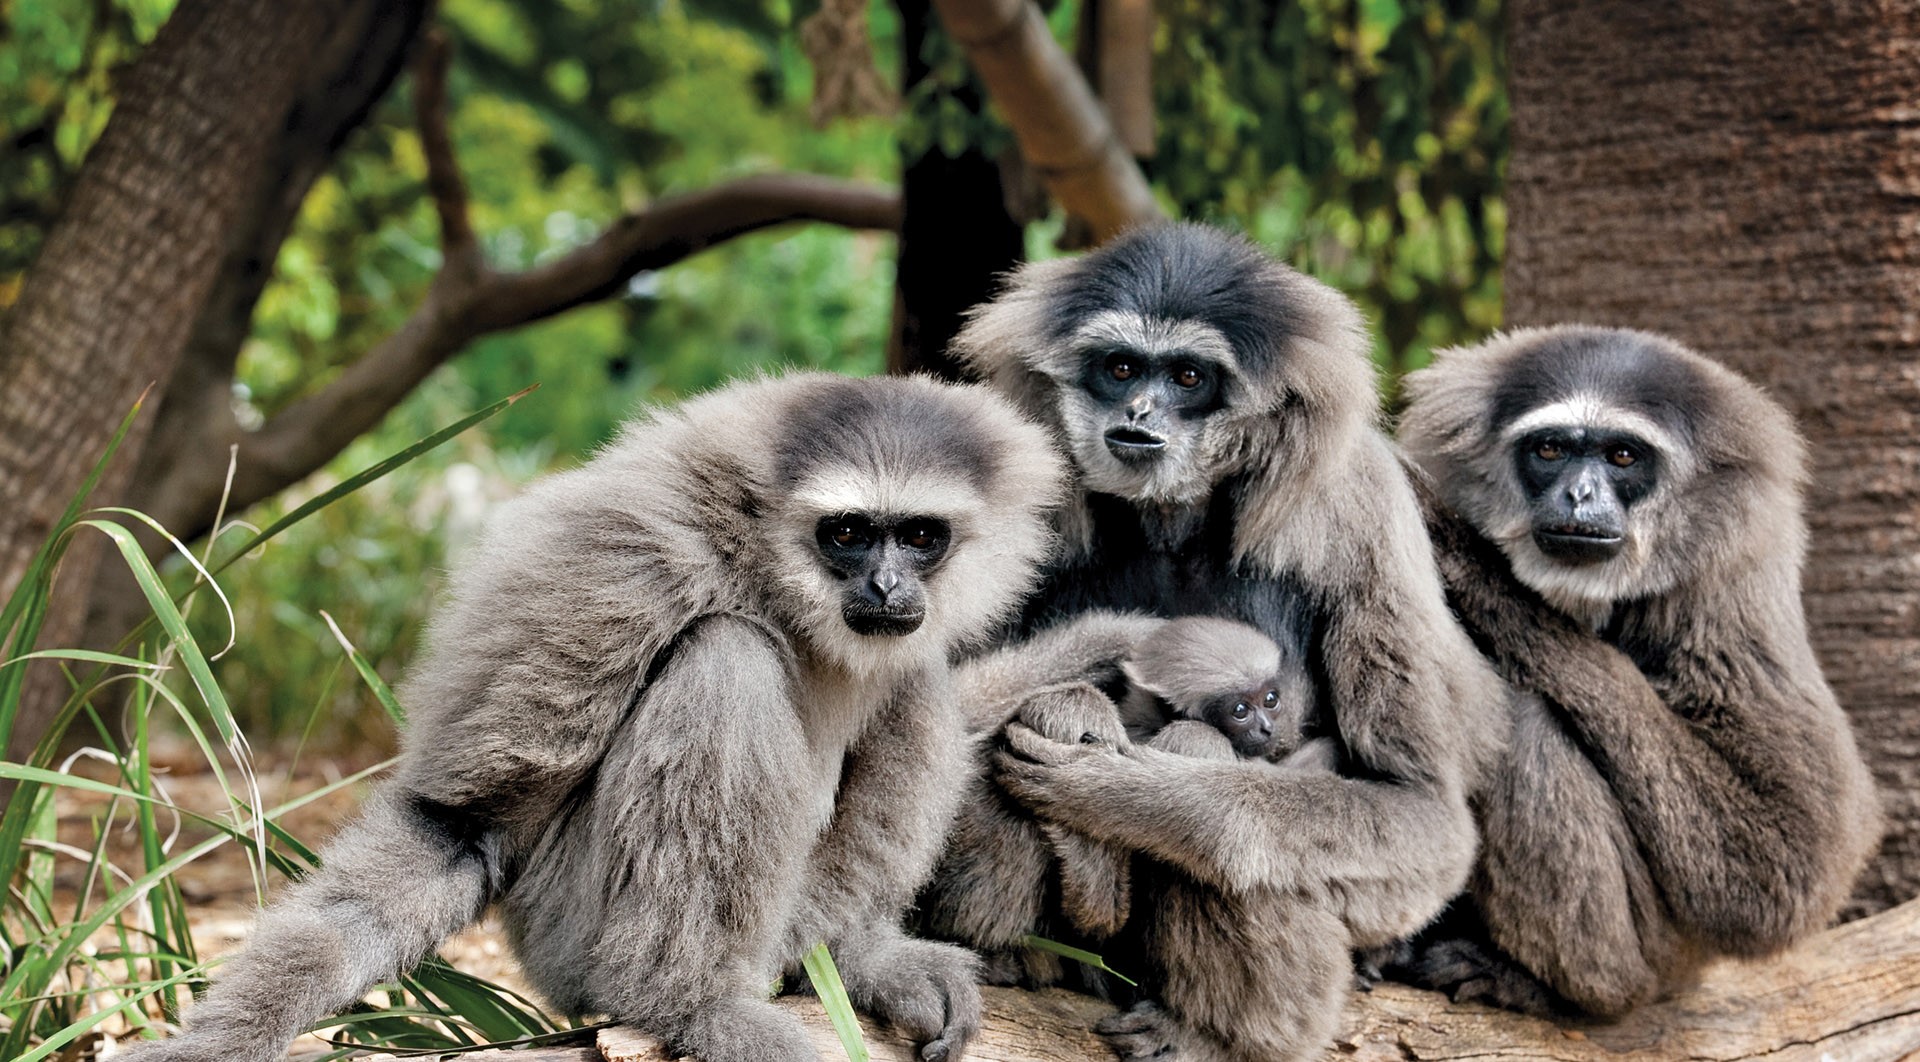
[(1851, 994)]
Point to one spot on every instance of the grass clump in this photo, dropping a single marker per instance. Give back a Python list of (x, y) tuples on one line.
[(117, 956)]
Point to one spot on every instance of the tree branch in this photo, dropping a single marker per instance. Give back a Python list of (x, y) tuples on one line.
[(444, 182), (1850, 993), (461, 306), (676, 228), (1062, 128)]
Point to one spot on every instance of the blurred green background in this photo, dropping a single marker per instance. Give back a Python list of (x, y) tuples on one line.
[(1362, 140)]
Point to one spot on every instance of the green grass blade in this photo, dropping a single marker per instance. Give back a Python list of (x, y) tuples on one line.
[(833, 996), (381, 691), (78, 933), (25, 609), (88, 656), (175, 625), (81, 1028), (368, 475), (1079, 955)]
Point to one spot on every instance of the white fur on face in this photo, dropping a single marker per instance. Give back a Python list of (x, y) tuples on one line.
[(1595, 413), (817, 597)]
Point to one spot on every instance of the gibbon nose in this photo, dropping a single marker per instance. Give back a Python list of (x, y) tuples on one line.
[(1139, 406), (883, 583)]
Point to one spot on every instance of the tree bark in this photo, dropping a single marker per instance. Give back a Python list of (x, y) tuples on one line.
[(182, 465), (1063, 130), (1747, 178), (110, 302), (956, 234)]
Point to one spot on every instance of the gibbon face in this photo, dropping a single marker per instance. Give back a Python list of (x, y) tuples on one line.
[(1582, 482), (1176, 356), (882, 564), (1607, 464), (902, 518), (1253, 720), (1144, 389)]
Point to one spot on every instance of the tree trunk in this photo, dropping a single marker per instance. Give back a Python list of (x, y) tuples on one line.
[(956, 236), (1747, 178), (109, 305), (181, 468)]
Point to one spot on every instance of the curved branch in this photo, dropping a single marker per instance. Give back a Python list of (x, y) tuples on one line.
[(675, 228), (461, 306), (1063, 130), (444, 182)]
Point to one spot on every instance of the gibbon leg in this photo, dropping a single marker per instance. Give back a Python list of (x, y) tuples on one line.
[(394, 884)]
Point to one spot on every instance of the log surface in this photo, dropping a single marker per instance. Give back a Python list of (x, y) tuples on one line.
[(1851, 994)]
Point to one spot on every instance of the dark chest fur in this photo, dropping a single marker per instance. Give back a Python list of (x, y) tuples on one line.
[(1176, 563)]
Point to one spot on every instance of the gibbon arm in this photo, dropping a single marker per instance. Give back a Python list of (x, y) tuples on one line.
[(1749, 815), (899, 788), (1087, 648)]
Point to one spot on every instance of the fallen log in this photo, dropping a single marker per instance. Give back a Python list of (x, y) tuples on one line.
[(1851, 994)]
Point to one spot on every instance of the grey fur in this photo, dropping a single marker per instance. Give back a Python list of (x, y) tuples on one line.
[(1681, 784), (1289, 491), (643, 729), (1195, 660)]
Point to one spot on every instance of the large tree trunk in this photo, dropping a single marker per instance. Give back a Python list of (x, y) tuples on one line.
[(181, 468), (1747, 177), (110, 303)]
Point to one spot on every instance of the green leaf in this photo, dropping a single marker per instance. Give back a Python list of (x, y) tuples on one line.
[(1079, 955), (833, 996), (378, 685)]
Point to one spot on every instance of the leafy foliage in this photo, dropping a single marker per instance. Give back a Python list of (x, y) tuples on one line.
[(1366, 138), (56, 58)]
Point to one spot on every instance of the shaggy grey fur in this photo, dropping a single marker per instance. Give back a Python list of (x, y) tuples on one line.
[(1282, 506), (645, 731), (1680, 783)]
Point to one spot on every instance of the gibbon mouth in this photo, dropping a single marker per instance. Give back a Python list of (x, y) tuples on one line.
[(1133, 443), (884, 623), (1576, 544)]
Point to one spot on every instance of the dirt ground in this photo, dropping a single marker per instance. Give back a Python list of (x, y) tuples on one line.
[(219, 887)]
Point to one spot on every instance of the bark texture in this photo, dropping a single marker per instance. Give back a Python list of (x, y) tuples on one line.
[(1747, 177), (1851, 993), (110, 303)]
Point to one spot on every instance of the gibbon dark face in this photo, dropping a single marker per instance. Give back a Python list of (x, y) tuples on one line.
[(1252, 719), (1581, 483), (1149, 398), (881, 565)]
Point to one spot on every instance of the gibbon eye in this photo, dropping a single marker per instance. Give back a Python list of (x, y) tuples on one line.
[(1187, 376), (1547, 451), (1621, 456), (922, 535), (845, 532), (1272, 698), (1240, 711), (1122, 368)]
